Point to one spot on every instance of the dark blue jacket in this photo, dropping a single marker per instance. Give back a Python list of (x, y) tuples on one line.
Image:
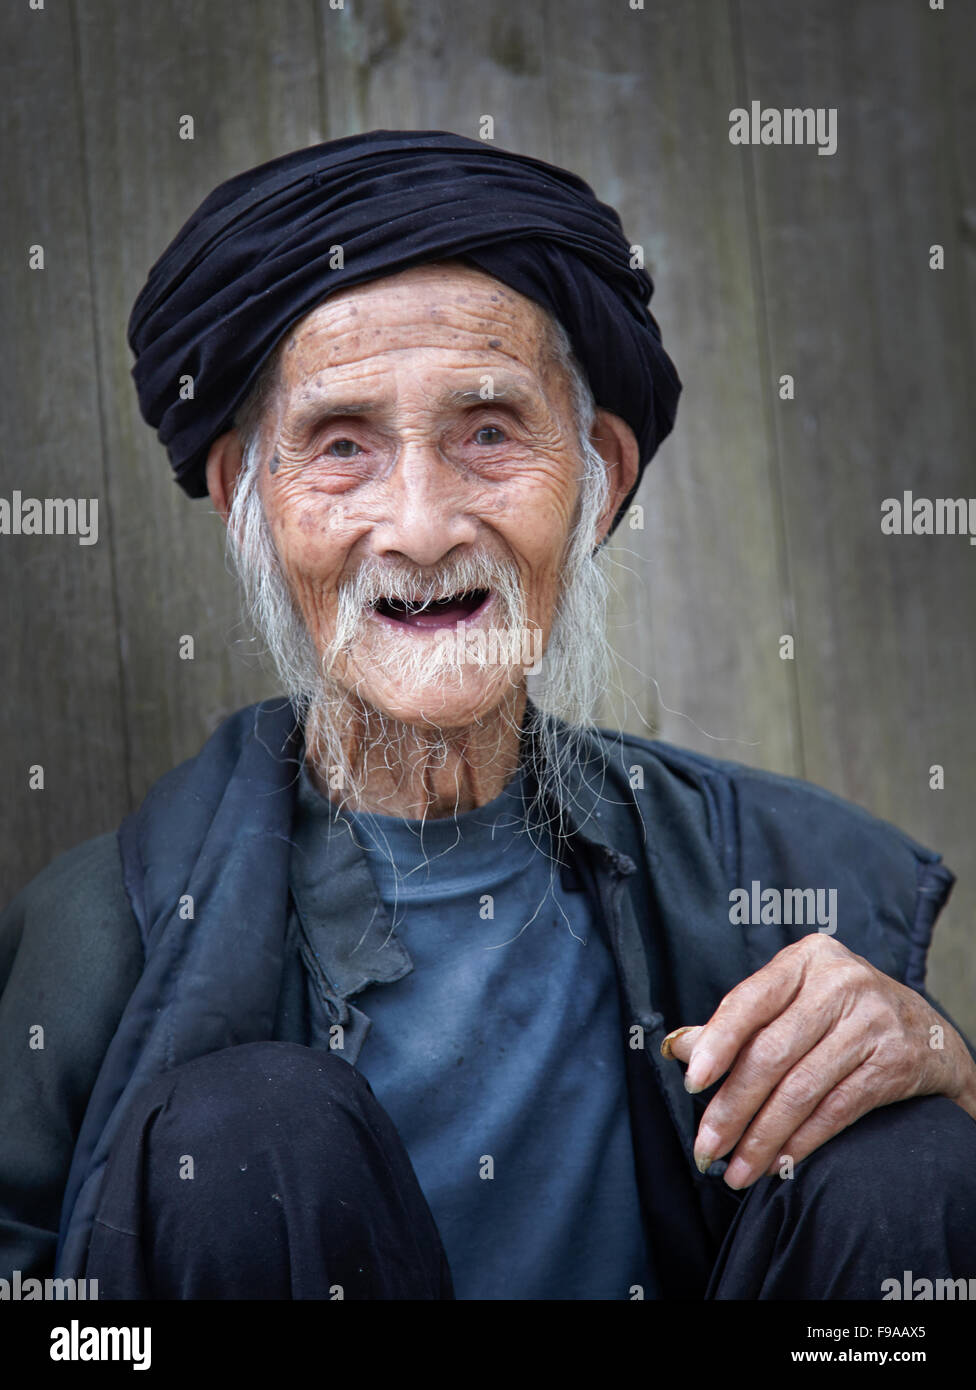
[(203, 949)]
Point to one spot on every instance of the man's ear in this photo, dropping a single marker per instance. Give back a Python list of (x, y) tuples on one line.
[(223, 470), (617, 445)]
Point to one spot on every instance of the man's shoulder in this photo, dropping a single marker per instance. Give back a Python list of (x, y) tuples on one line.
[(77, 905), (70, 888), (738, 825), (94, 861), (738, 799)]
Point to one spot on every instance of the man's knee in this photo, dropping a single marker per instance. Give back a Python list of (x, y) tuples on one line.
[(895, 1190), (251, 1090), (925, 1144), (264, 1170), (260, 1115)]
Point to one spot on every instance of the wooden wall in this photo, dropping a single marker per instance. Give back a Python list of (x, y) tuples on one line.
[(762, 515)]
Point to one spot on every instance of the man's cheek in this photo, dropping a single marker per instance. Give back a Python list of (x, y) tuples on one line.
[(316, 600), (305, 543)]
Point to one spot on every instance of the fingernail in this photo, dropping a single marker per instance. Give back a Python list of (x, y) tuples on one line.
[(738, 1173), (699, 1069), (674, 1036), (707, 1145)]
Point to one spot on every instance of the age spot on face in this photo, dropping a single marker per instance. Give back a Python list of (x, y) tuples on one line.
[(274, 463)]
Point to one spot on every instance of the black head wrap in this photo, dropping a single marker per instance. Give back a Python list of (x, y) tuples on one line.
[(257, 256)]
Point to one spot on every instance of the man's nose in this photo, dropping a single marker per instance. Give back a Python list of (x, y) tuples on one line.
[(423, 513)]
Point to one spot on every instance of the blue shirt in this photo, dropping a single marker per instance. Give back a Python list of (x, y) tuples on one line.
[(499, 1057)]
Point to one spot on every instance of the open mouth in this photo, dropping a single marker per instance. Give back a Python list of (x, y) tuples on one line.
[(432, 613)]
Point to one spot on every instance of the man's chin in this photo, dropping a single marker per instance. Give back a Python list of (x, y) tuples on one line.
[(453, 701)]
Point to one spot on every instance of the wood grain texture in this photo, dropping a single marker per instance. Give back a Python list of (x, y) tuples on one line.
[(248, 75), (761, 516), (640, 103), (879, 345), (62, 706)]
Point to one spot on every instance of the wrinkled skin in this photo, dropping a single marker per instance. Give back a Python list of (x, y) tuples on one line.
[(817, 1037)]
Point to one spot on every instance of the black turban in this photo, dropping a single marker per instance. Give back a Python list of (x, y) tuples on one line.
[(256, 256)]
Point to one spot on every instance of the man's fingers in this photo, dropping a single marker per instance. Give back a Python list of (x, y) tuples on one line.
[(753, 1003), (834, 1084), (855, 1096), (679, 1043), (775, 1052)]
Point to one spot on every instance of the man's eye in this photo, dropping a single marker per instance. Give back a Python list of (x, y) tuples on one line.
[(497, 436), (343, 448)]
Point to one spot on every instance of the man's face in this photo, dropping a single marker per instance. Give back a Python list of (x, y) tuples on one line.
[(418, 420)]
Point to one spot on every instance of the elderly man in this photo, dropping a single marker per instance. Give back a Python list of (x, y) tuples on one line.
[(381, 994)]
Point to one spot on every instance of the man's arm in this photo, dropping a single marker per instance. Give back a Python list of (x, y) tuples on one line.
[(70, 953)]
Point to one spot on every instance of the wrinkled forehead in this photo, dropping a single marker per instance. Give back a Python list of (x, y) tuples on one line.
[(446, 308)]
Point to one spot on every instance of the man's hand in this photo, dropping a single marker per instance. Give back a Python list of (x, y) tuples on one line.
[(813, 1041)]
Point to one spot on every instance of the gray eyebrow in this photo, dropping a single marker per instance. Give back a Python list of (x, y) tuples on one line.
[(318, 408), (323, 406), (504, 395)]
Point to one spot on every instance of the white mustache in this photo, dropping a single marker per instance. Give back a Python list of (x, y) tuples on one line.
[(374, 582), (404, 584)]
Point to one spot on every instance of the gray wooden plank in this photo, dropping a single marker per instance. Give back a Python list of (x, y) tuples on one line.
[(880, 347), (248, 74), (436, 64), (62, 700), (953, 973), (640, 102)]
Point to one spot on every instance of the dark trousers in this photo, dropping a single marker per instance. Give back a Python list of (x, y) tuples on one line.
[(270, 1171)]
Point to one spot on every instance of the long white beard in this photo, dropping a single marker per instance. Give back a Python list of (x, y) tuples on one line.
[(574, 670)]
